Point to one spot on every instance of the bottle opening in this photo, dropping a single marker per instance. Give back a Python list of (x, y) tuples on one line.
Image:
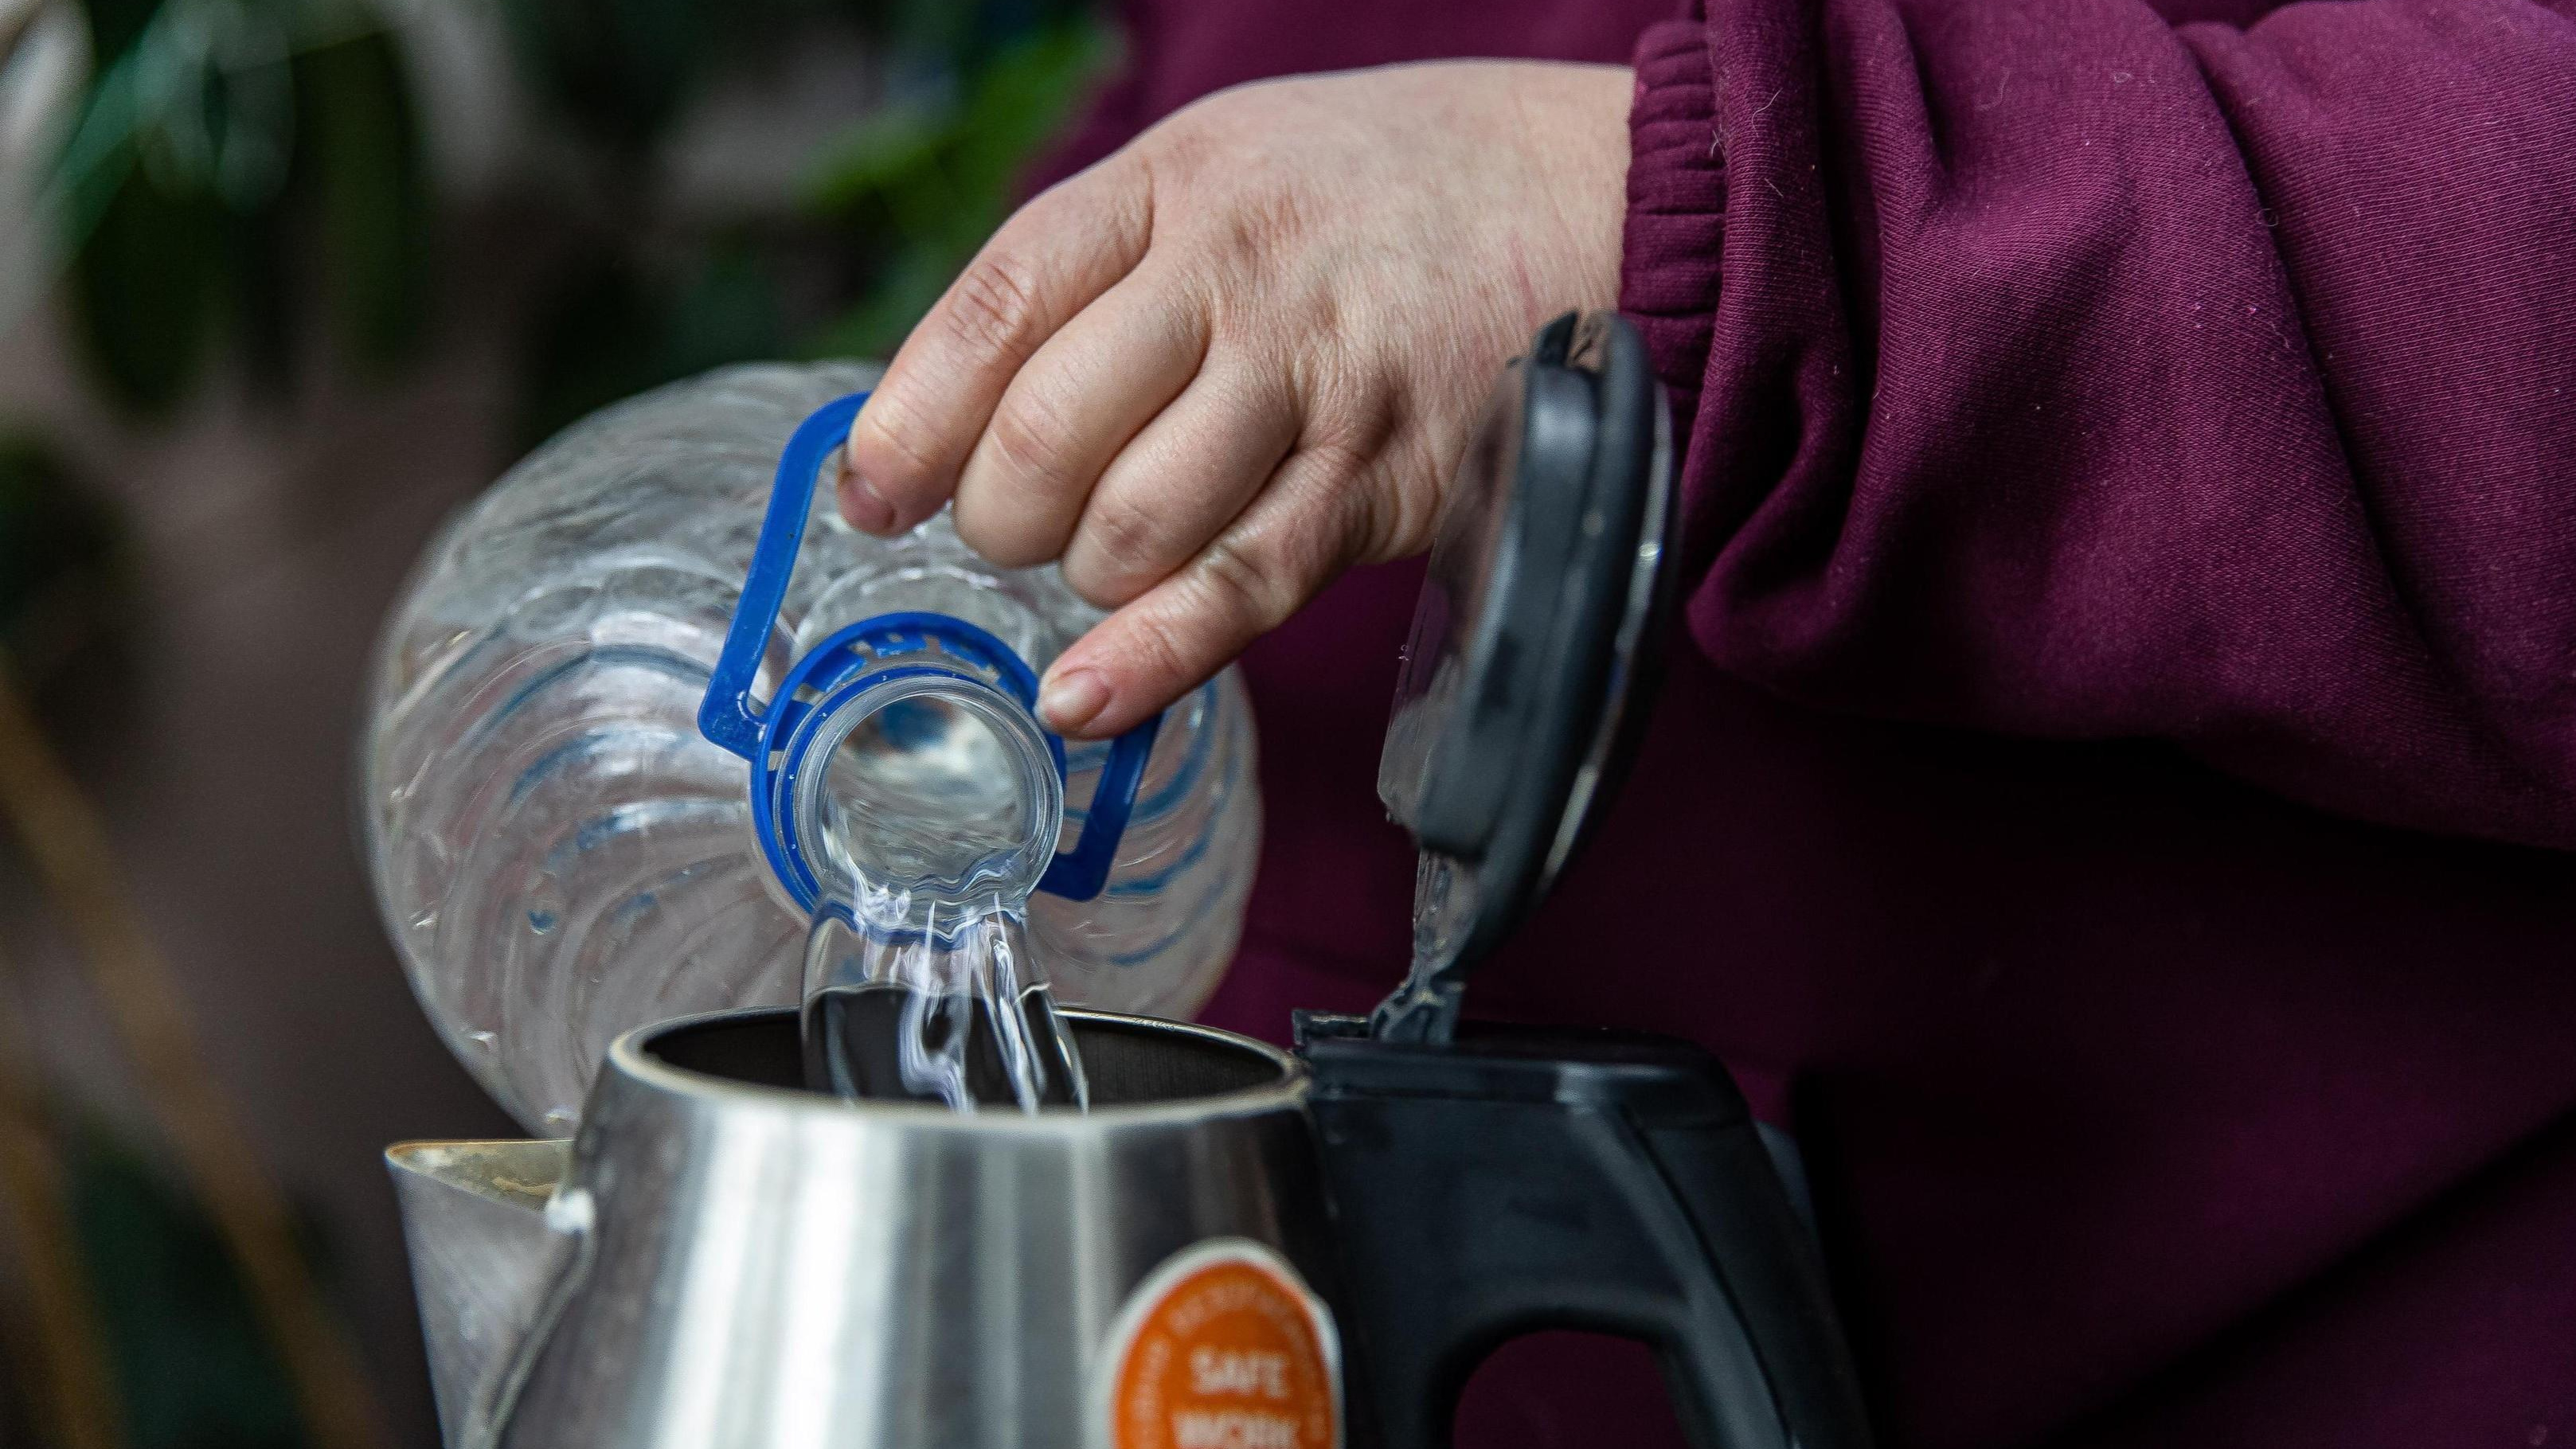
[(934, 789)]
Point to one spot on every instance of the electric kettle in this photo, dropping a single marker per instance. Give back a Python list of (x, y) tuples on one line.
[(1236, 1247)]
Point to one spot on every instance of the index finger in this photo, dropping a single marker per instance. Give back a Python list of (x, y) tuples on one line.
[(1048, 262)]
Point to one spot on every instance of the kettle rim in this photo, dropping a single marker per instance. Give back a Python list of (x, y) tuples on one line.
[(631, 1057)]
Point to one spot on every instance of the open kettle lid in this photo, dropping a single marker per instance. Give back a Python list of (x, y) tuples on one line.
[(1533, 647)]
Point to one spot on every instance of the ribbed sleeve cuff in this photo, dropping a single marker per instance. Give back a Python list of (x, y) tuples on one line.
[(1676, 207)]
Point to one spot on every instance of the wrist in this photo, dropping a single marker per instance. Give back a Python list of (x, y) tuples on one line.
[(1582, 113)]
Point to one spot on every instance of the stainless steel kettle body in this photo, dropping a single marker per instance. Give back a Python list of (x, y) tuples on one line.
[(729, 1262)]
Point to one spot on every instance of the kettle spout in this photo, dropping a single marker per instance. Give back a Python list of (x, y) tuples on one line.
[(474, 1219)]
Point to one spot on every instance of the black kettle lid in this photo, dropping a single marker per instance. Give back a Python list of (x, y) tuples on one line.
[(1533, 648)]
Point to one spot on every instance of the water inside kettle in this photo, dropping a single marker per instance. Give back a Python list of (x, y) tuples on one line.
[(935, 814), (960, 1048)]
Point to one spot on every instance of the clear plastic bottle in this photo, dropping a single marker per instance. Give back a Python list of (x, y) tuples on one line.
[(560, 854)]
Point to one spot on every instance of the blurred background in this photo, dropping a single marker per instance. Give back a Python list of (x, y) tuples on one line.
[(281, 283)]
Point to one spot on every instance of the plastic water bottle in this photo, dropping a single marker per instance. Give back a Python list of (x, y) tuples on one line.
[(562, 853)]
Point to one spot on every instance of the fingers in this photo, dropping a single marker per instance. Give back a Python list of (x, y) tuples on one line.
[(1080, 399), (1045, 265), (1180, 481), (1312, 521)]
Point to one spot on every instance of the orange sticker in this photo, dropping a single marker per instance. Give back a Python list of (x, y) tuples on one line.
[(1222, 1347)]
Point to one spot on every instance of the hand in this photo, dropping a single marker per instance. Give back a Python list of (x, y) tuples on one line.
[(1246, 352)]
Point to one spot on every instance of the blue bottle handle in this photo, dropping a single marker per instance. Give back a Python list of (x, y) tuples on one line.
[(730, 718)]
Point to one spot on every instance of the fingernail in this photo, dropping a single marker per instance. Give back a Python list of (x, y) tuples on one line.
[(866, 508), (1070, 701)]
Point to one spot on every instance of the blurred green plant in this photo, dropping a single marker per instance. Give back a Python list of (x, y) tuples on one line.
[(236, 163), (935, 178), (232, 161), (890, 208), (193, 1365)]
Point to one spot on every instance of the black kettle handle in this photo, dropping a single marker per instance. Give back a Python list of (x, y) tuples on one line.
[(1503, 1184)]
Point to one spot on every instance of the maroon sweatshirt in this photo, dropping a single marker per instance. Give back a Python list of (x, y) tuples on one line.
[(2116, 795)]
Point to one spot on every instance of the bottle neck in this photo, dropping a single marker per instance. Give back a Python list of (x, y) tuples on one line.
[(925, 798)]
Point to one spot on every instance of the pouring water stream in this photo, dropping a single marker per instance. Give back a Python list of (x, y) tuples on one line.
[(936, 814)]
